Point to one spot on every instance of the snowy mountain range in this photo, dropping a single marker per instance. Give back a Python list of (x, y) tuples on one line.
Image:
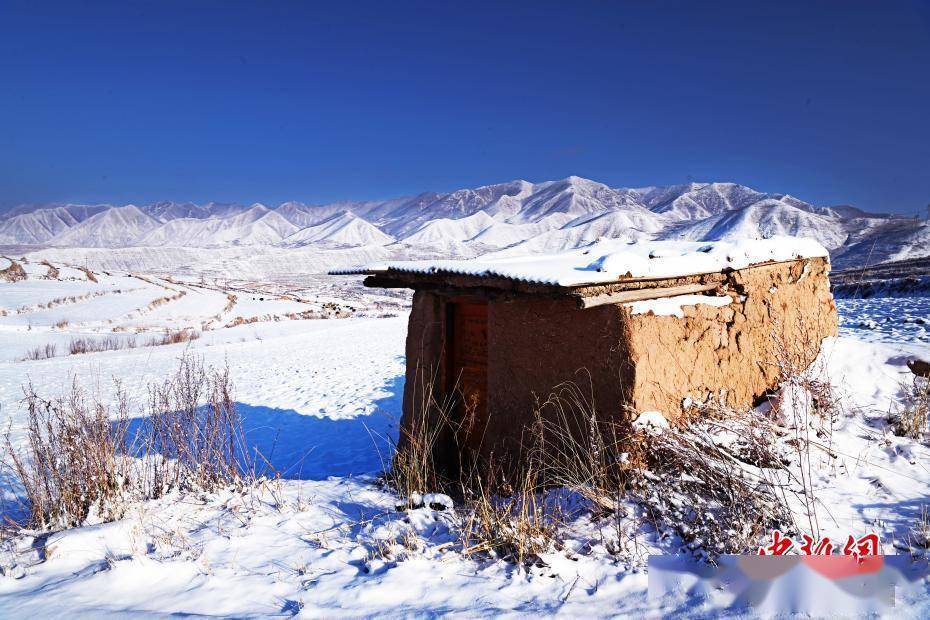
[(511, 218)]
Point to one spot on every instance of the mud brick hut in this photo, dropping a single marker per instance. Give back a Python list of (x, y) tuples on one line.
[(647, 326)]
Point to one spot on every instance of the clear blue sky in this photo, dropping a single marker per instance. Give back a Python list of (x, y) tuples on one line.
[(270, 101)]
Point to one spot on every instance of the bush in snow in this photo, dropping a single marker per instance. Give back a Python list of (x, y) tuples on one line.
[(13, 272), (41, 353), (83, 460), (910, 420), (72, 465), (709, 482)]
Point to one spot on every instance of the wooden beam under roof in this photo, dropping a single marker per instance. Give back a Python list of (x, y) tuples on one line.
[(643, 294)]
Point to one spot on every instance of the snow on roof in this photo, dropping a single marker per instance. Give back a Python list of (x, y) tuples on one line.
[(607, 260)]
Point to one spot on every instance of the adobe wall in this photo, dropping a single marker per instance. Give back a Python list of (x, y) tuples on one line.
[(535, 345), (424, 348), (786, 307)]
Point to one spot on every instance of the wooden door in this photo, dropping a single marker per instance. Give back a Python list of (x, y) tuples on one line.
[(467, 369)]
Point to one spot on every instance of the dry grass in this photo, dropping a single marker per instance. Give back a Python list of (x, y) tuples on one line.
[(84, 344), (516, 526), (70, 299), (80, 462), (240, 320), (79, 346), (173, 337), (231, 301), (413, 469), (41, 353), (13, 273), (88, 274), (195, 428), (53, 273), (591, 456), (507, 519), (919, 535), (912, 415), (72, 464), (63, 323), (161, 301)]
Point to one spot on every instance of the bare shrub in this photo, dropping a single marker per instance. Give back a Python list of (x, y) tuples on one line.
[(79, 346), (912, 414), (88, 274), (173, 337), (71, 466), (13, 273), (80, 461), (919, 535), (41, 353), (52, 270), (709, 481), (713, 483), (806, 407), (63, 323), (194, 427)]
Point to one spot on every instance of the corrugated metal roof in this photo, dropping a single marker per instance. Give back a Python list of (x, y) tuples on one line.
[(610, 259)]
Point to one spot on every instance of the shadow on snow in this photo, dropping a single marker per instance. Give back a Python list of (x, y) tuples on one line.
[(310, 447)]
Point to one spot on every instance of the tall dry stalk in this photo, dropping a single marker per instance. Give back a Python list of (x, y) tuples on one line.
[(193, 431), (72, 466), (81, 460), (912, 415), (806, 405), (415, 467)]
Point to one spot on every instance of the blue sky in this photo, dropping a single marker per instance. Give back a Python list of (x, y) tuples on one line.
[(271, 101)]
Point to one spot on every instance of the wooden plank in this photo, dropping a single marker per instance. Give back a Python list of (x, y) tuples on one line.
[(643, 294)]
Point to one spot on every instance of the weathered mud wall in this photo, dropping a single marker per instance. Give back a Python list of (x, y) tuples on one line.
[(424, 347), (780, 314), (536, 345)]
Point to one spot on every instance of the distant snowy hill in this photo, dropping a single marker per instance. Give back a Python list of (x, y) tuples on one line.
[(258, 225), (515, 217), (115, 227), (766, 218), (344, 229)]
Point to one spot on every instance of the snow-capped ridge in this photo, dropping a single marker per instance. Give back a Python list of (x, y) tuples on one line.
[(342, 229), (518, 217)]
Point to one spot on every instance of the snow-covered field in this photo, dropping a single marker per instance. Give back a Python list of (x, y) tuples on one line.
[(322, 398), (886, 319)]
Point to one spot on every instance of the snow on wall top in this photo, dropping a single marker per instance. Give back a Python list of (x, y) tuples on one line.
[(608, 260)]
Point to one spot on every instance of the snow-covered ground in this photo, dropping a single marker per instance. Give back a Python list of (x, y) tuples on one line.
[(886, 319), (322, 398)]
